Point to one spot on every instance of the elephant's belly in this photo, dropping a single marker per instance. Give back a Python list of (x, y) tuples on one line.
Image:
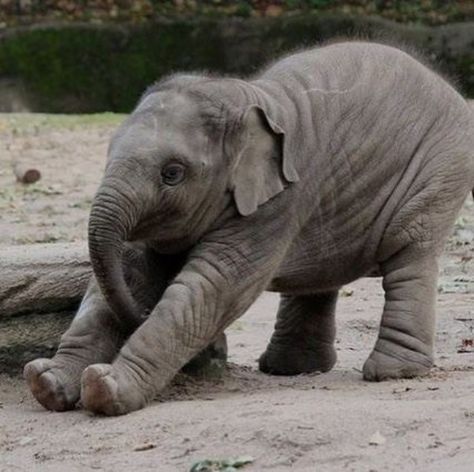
[(307, 271)]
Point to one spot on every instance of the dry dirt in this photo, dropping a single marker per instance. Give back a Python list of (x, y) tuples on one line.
[(305, 423)]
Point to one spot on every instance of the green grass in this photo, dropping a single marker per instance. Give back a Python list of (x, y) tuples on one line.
[(25, 121)]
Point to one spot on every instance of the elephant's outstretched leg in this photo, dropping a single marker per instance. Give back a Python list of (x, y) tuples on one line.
[(93, 336), (96, 337), (303, 340), (404, 347), (220, 279)]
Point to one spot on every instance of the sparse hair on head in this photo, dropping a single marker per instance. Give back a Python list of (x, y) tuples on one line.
[(176, 81)]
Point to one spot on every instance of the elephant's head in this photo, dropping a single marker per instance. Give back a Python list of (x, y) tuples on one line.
[(180, 160)]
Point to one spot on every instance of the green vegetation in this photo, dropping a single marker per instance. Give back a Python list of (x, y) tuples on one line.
[(224, 465), (419, 11), (85, 68), (90, 67), (27, 121)]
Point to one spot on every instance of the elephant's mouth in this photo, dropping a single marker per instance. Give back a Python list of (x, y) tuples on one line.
[(161, 225), (172, 247), (164, 239), (143, 231)]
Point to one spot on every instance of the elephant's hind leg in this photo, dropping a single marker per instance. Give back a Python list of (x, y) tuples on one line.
[(303, 340), (404, 347), (92, 337)]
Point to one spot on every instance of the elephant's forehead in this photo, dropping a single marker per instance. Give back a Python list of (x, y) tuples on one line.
[(165, 110), (161, 122)]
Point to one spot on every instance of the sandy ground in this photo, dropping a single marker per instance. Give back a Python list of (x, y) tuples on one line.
[(328, 422)]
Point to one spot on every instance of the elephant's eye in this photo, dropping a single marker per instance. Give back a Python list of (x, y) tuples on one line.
[(172, 174)]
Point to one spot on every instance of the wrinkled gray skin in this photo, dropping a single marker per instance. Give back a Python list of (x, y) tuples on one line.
[(335, 163)]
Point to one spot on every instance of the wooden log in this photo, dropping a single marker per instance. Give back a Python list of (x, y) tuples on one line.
[(24, 338), (42, 278), (40, 288)]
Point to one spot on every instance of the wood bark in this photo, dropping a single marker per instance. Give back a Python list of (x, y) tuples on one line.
[(24, 338), (41, 286), (42, 278)]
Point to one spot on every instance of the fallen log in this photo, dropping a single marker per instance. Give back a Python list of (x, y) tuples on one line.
[(24, 338), (41, 286), (42, 278)]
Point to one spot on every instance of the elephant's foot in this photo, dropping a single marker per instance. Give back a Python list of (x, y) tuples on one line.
[(55, 386), (108, 390), (406, 364), (294, 360)]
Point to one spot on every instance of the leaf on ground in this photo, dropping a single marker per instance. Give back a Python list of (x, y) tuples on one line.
[(463, 278), (467, 346), (460, 222), (454, 287), (377, 439), (464, 236), (466, 258), (402, 390), (144, 447), (43, 190), (221, 465)]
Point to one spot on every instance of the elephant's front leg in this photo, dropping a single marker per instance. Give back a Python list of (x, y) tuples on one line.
[(304, 336), (202, 301), (93, 336), (404, 347)]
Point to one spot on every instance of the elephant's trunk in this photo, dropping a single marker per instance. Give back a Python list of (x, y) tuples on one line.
[(113, 217)]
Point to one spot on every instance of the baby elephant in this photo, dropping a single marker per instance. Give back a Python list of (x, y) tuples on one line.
[(335, 163)]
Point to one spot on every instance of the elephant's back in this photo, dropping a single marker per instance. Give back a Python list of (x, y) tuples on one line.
[(361, 73), (382, 127), (353, 105), (348, 63)]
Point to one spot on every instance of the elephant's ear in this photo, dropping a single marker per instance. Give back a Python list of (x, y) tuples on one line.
[(261, 170)]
